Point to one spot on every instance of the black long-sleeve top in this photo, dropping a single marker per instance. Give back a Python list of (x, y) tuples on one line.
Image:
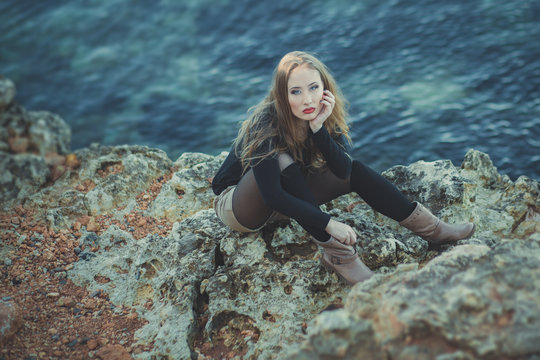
[(268, 177)]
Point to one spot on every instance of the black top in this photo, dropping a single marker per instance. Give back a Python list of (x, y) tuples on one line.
[(267, 175)]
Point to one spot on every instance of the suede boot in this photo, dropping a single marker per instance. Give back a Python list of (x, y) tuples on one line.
[(344, 260), (426, 225)]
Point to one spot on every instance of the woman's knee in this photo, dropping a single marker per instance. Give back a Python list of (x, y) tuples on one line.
[(362, 169), (357, 168), (284, 160)]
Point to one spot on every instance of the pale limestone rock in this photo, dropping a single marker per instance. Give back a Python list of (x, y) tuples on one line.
[(476, 299), (189, 190), (435, 184), (270, 282), (129, 171), (271, 298)]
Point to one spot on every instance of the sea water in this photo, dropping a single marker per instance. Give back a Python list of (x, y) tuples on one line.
[(425, 80)]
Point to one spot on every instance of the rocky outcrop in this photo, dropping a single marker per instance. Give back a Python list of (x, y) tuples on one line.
[(31, 147), (475, 300), (149, 238)]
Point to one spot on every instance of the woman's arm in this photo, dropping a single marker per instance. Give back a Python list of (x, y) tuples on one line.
[(336, 156), (267, 175), (335, 152)]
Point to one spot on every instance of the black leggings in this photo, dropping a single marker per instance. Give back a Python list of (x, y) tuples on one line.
[(320, 188)]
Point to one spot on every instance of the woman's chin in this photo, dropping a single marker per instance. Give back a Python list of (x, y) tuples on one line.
[(307, 117)]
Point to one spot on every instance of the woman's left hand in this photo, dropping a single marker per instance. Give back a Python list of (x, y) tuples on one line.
[(328, 101)]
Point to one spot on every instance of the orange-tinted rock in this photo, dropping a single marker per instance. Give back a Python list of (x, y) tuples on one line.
[(113, 352)]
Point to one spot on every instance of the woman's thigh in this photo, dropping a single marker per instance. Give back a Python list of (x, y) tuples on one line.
[(248, 204), (325, 186)]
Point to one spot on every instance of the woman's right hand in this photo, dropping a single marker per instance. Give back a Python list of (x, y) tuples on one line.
[(341, 232)]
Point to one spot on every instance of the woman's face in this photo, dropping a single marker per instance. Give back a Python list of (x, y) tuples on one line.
[(305, 89)]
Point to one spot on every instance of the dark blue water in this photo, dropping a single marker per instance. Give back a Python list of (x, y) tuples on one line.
[(425, 79)]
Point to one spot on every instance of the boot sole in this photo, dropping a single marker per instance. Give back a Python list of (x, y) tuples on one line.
[(453, 241)]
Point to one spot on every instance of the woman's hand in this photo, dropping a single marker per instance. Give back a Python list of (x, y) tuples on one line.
[(341, 232), (328, 101)]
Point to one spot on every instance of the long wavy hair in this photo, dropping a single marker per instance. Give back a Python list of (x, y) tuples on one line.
[(272, 119)]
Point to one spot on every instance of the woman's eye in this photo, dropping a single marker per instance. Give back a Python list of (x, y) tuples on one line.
[(295, 92), (314, 87)]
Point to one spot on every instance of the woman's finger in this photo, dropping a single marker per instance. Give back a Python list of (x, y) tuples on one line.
[(329, 94)]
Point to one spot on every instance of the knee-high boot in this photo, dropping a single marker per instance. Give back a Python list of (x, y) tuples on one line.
[(426, 225)]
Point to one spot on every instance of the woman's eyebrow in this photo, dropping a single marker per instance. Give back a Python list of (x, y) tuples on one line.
[(298, 87)]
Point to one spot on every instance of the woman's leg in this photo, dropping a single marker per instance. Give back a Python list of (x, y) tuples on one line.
[(248, 205), (379, 193), (385, 198), (375, 190), (294, 183), (337, 257)]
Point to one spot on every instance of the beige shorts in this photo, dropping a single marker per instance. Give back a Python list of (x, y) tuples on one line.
[(224, 211)]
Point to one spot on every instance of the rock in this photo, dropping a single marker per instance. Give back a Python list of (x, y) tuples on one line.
[(448, 304), (92, 344), (18, 144), (252, 283), (38, 132), (48, 133), (26, 139), (7, 92), (10, 321), (113, 352), (92, 225), (436, 184), (269, 299), (188, 191), (120, 174), (23, 175), (149, 240), (63, 209)]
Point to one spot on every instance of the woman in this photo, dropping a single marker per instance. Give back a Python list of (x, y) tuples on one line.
[(292, 154)]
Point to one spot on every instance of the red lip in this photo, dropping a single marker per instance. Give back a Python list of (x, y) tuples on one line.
[(309, 110)]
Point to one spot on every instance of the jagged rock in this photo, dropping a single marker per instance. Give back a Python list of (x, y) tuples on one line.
[(163, 272), (48, 133), (288, 243), (262, 295), (475, 299), (119, 174), (112, 178), (269, 299), (435, 184), (69, 206), (188, 191)]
